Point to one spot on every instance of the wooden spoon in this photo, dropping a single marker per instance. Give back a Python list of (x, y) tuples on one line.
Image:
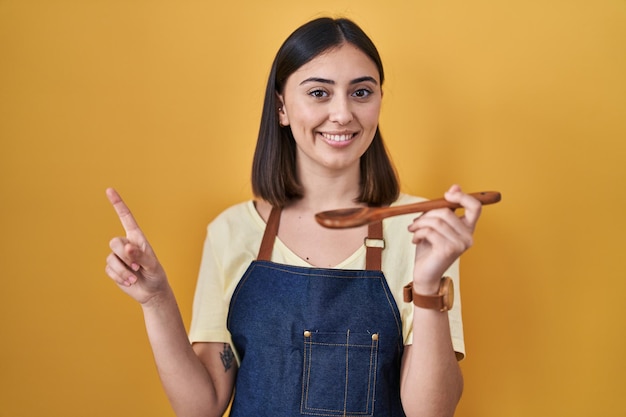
[(358, 216)]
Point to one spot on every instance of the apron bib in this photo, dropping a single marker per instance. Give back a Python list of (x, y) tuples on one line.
[(315, 341)]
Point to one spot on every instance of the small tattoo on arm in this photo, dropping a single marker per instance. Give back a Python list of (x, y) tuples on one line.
[(227, 357)]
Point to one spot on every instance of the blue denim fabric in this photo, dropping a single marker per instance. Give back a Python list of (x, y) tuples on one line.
[(315, 342)]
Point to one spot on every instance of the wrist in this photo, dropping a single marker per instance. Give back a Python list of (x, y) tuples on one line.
[(426, 280), (159, 299)]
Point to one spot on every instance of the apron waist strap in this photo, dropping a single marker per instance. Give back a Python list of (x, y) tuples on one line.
[(374, 242)]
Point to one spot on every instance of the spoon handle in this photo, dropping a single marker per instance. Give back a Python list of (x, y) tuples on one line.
[(485, 197)]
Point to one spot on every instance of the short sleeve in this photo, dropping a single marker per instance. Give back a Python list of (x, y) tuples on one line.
[(231, 244), (210, 307)]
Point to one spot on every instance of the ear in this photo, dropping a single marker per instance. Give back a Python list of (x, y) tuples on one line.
[(283, 119)]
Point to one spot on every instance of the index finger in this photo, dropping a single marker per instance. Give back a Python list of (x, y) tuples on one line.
[(472, 206), (123, 212)]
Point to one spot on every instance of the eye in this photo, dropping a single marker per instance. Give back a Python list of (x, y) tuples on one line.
[(362, 92), (318, 93)]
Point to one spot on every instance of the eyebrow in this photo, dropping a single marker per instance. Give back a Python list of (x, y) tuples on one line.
[(326, 81)]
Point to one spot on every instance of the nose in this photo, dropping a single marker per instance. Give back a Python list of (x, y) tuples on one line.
[(340, 111)]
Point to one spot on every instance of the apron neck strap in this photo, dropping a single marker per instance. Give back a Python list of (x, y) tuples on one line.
[(373, 248), (374, 245), (271, 230)]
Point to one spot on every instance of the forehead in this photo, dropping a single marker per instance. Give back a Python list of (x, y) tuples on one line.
[(344, 63)]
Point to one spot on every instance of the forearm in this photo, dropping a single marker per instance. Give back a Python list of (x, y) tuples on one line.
[(186, 380), (196, 384), (432, 382)]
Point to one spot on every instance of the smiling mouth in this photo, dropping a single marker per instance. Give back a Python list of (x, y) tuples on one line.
[(344, 137)]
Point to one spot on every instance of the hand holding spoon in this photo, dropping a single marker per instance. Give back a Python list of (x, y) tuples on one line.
[(359, 216)]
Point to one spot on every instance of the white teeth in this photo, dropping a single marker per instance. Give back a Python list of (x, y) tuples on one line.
[(337, 138)]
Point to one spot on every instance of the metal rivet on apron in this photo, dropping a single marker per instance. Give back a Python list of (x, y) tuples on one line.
[(307, 333), (375, 336)]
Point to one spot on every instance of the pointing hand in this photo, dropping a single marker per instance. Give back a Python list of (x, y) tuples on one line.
[(132, 264)]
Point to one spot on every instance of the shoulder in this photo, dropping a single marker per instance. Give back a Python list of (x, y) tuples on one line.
[(233, 237), (398, 240), (237, 222), (397, 223), (237, 214), (407, 199)]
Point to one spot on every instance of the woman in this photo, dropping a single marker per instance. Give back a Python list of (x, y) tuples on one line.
[(296, 318)]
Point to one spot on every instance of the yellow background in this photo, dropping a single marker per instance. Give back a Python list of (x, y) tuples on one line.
[(161, 99)]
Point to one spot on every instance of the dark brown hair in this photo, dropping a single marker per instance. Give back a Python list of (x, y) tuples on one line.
[(274, 174)]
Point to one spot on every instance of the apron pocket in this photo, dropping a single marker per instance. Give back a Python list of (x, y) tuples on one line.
[(339, 373)]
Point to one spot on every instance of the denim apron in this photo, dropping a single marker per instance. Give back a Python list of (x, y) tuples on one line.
[(315, 341)]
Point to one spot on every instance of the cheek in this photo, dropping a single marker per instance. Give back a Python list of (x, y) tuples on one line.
[(371, 115), (305, 116)]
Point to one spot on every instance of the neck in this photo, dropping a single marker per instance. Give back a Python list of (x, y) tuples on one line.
[(328, 191)]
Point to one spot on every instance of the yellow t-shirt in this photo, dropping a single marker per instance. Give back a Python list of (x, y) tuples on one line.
[(232, 243)]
